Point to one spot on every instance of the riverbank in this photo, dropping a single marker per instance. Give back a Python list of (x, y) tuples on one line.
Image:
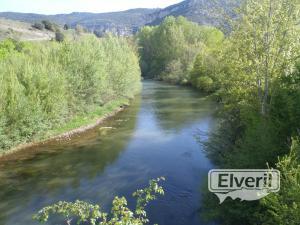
[(152, 137), (76, 126)]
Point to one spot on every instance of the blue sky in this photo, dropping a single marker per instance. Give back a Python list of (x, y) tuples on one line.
[(67, 6)]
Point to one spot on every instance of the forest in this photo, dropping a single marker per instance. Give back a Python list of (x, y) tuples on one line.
[(251, 69)]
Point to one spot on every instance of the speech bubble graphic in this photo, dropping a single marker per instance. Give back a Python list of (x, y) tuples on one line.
[(243, 184)]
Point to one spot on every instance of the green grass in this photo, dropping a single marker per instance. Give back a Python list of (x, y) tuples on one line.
[(91, 118), (75, 123)]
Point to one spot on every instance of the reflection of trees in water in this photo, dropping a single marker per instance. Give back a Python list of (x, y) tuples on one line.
[(176, 106), (61, 165)]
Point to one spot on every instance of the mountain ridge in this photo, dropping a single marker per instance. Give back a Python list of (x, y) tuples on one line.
[(129, 21)]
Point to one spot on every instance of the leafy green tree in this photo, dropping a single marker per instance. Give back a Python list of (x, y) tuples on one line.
[(66, 27), (169, 50), (257, 81), (266, 40)]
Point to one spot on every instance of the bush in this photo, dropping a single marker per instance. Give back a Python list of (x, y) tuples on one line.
[(48, 25), (66, 27), (98, 33), (39, 26), (205, 84), (47, 85), (284, 207), (59, 36)]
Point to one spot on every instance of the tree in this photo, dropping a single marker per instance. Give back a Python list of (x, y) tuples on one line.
[(66, 27), (48, 25), (266, 40), (38, 25), (168, 51)]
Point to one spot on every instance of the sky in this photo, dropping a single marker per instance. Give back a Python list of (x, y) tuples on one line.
[(68, 6)]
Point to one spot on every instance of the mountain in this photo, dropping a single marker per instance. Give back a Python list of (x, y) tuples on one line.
[(204, 12), (126, 22)]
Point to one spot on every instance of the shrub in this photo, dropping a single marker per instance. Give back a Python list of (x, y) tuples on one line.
[(47, 85), (59, 36), (205, 84), (48, 25), (66, 27), (39, 26), (98, 33)]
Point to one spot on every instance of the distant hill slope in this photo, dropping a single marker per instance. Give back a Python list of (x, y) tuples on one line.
[(204, 12), (126, 22), (22, 31)]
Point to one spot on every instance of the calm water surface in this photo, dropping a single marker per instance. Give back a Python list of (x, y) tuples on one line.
[(153, 137)]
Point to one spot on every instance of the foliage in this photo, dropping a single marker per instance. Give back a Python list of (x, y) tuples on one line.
[(48, 25), (284, 207), (255, 75), (50, 83), (66, 27), (169, 50), (266, 40), (59, 36), (38, 25), (10, 46), (120, 213), (98, 33)]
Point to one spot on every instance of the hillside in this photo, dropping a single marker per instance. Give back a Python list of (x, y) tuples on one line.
[(22, 31), (126, 22), (204, 12)]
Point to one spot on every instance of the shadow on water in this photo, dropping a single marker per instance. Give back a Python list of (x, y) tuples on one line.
[(41, 174), (151, 138)]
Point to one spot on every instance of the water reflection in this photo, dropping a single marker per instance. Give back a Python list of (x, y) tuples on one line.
[(177, 107), (153, 137), (38, 176)]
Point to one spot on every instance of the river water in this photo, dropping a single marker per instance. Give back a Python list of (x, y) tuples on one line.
[(153, 137)]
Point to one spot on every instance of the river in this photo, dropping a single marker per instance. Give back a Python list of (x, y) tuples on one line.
[(153, 137)]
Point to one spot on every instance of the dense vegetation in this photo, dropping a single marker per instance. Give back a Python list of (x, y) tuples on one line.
[(254, 72), (256, 75), (45, 85), (168, 50)]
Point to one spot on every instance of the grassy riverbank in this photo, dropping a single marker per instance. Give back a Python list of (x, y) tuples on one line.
[(49, 88), (75, 126)]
